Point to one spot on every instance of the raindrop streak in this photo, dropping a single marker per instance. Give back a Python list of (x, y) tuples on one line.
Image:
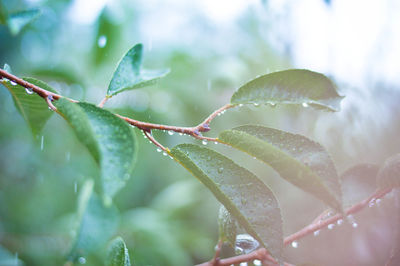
[(29, 90), (295, 244), (209, 85), (42, 143), (316, 232), (82, 260), (102, 41), (170, 133), (204, 142), (75, 187), (305, 104)]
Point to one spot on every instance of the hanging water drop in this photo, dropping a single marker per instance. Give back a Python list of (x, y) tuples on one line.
[(13, 83), (330, 226), (215, 142), (371, 203), (170, 133), (42, 143), (82, 260), (316, 233), (164, 153), (240, 105), (272, 104), (257, 262), (204, 142), (354, 225), (305, 104), (158, 150), (378, 202), (256, 104), (29, 90), (102, 41), (295, 244), (339, 222), (245, 243)]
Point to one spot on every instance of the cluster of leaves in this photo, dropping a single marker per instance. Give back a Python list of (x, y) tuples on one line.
[(250, 204)]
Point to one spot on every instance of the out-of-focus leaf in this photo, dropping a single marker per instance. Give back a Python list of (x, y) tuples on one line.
[(57, 73), (227, 226), (118, 253), (358, 183), (17, 21), (245, 196), (9, 259), (293, 86), (107, 37), (32, 107), (3, 14), (389, 174), (129, 74), (109, 139), (296, 158), (97, 223)]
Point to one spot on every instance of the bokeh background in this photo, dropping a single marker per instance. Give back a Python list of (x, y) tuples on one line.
[(211, 47)]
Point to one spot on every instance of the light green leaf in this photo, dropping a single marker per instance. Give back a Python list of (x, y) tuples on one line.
[(389, 173), (118, 253), (32, 107), (17, 21), (3, 14), (97, 223), (247, 198), (109, 139), (227, 226), (129, 74), (294, 86), (297, 159)]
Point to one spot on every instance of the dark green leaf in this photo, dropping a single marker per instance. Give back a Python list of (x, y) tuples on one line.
[(389, 174), (17, 21), (358, 183), (129, 74), (118, 253), (109, 139), (247, 198), (297, 159), (32, 107), (227, 226), (294, 86), (97, 223)]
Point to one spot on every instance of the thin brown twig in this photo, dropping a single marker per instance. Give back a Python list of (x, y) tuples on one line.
[(155, 142), (101, 104)]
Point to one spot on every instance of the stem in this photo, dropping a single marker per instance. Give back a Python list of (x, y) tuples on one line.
[(152, 139), (318, 224), (101, 104)]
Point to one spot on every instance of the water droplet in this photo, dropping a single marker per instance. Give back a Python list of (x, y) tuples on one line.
[(216, 142), (272, 104), (13, 83), (219, 114), (204, 142), (164, 153), (159, 150), (75, 187), (305, 104), (295, 244), (180, 134), (170, 133), (82, 260), (371, 203), (256, 104), (257, 262), (378, 202), (316, 233), (102, 41), (330, 226), (42, 143), (29, 90), (240, 105), (245, 243), (339, 222), (220, 170), (354, 225)]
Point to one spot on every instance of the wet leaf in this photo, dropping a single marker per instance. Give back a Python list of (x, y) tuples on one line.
[(244, 195), (32, 107), (227, 226), (17, 21), (109, 139), (293, 86), (296, 158), (97, 223), (389, 174), (118, 253), (129, 74)]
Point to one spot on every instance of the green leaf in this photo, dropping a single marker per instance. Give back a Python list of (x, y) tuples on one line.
[(358, 183), (389, 174), (3, 14), (9, 259), (129, 74), (245, 196), (97, 223), (118, 253), (17, 21), (32, 107), (109, 139), (227, 226), (294, 86), (297, 159)]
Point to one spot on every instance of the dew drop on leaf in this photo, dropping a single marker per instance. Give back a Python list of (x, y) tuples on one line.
[(339, 222), (82, 260), (164, 153), (102, 41)]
